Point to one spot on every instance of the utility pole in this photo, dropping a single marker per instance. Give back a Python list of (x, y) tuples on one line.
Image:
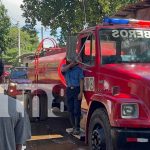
[(42, 33), (19, 50)]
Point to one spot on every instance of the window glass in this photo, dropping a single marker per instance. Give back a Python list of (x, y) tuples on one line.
[(124, 46), (88, 50), (108, 48), (18, 73)]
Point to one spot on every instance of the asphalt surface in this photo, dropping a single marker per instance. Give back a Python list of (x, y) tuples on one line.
[(51, 135)]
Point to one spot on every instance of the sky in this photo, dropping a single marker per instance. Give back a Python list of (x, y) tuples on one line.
[(15, 13)]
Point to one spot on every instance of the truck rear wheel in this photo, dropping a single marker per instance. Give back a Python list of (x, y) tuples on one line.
[(99, 133)]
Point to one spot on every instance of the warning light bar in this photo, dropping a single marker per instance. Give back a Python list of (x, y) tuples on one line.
[(125, 21)]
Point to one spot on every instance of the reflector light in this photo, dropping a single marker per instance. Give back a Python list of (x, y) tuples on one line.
[(142, 140), (131, 139), (125, 21), (142, 22)]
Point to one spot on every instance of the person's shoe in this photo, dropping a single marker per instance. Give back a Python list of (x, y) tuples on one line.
[(76, 132), (72, 130)]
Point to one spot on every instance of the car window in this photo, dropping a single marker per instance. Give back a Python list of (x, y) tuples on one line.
[(18, 74)]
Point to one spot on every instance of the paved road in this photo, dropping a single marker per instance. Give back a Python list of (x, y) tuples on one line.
[(51, 135)]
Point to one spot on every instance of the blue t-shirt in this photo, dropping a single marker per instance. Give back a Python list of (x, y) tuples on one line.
[(73, 76)]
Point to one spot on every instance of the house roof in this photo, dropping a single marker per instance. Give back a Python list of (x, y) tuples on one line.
[(132, 8)]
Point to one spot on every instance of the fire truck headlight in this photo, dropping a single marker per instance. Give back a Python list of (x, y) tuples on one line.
[(129, 110)]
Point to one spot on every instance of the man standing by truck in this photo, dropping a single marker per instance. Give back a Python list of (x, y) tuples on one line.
[(74, 80)]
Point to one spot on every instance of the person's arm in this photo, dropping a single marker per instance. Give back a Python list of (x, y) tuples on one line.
[(18, 147), (67, 67)]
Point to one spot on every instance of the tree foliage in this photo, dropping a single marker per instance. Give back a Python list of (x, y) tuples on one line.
[(4, 26), (28, 43), (69, 14), (33, 40)]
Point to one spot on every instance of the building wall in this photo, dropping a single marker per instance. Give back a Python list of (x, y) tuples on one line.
[(143, 14), (140, 10)]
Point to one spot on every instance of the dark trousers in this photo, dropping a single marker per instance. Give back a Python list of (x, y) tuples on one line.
[(74, 106)]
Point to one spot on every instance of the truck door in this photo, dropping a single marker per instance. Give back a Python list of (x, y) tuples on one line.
[(88, 55)]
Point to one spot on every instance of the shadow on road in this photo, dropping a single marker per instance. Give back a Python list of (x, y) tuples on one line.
[(51, 135)]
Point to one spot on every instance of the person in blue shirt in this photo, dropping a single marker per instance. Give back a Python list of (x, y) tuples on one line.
[(74, 80)]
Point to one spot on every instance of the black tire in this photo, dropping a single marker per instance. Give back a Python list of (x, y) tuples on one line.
[(99, 131), (42, 107)]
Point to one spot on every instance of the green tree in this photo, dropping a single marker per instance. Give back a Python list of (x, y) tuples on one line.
[(69, 14), (4, 27), (33, 34), (66, 14), (27, 44)]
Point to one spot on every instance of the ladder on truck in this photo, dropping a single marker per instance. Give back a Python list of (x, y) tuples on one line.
[(37, 55)]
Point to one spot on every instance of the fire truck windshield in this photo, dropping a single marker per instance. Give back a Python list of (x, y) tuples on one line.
[(124, 46)]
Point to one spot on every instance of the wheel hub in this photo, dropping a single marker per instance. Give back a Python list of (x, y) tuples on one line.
[(98, 139)]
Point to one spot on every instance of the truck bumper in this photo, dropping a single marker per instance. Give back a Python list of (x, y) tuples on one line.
[(132, 139)]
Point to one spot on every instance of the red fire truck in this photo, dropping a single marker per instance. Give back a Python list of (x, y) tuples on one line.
[(116, 63)]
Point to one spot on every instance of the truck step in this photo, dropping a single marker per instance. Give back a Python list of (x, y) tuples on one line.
[(81, 136)]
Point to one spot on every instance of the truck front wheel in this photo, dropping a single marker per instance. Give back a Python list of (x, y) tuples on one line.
[(99, 133)]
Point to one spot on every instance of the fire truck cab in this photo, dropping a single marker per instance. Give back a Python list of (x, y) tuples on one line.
[(116, 63)]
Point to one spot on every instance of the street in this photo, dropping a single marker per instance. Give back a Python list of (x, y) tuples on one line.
[(51, 135)]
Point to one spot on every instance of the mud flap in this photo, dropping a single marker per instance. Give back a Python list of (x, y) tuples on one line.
[(36, 106), (43, 109)]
